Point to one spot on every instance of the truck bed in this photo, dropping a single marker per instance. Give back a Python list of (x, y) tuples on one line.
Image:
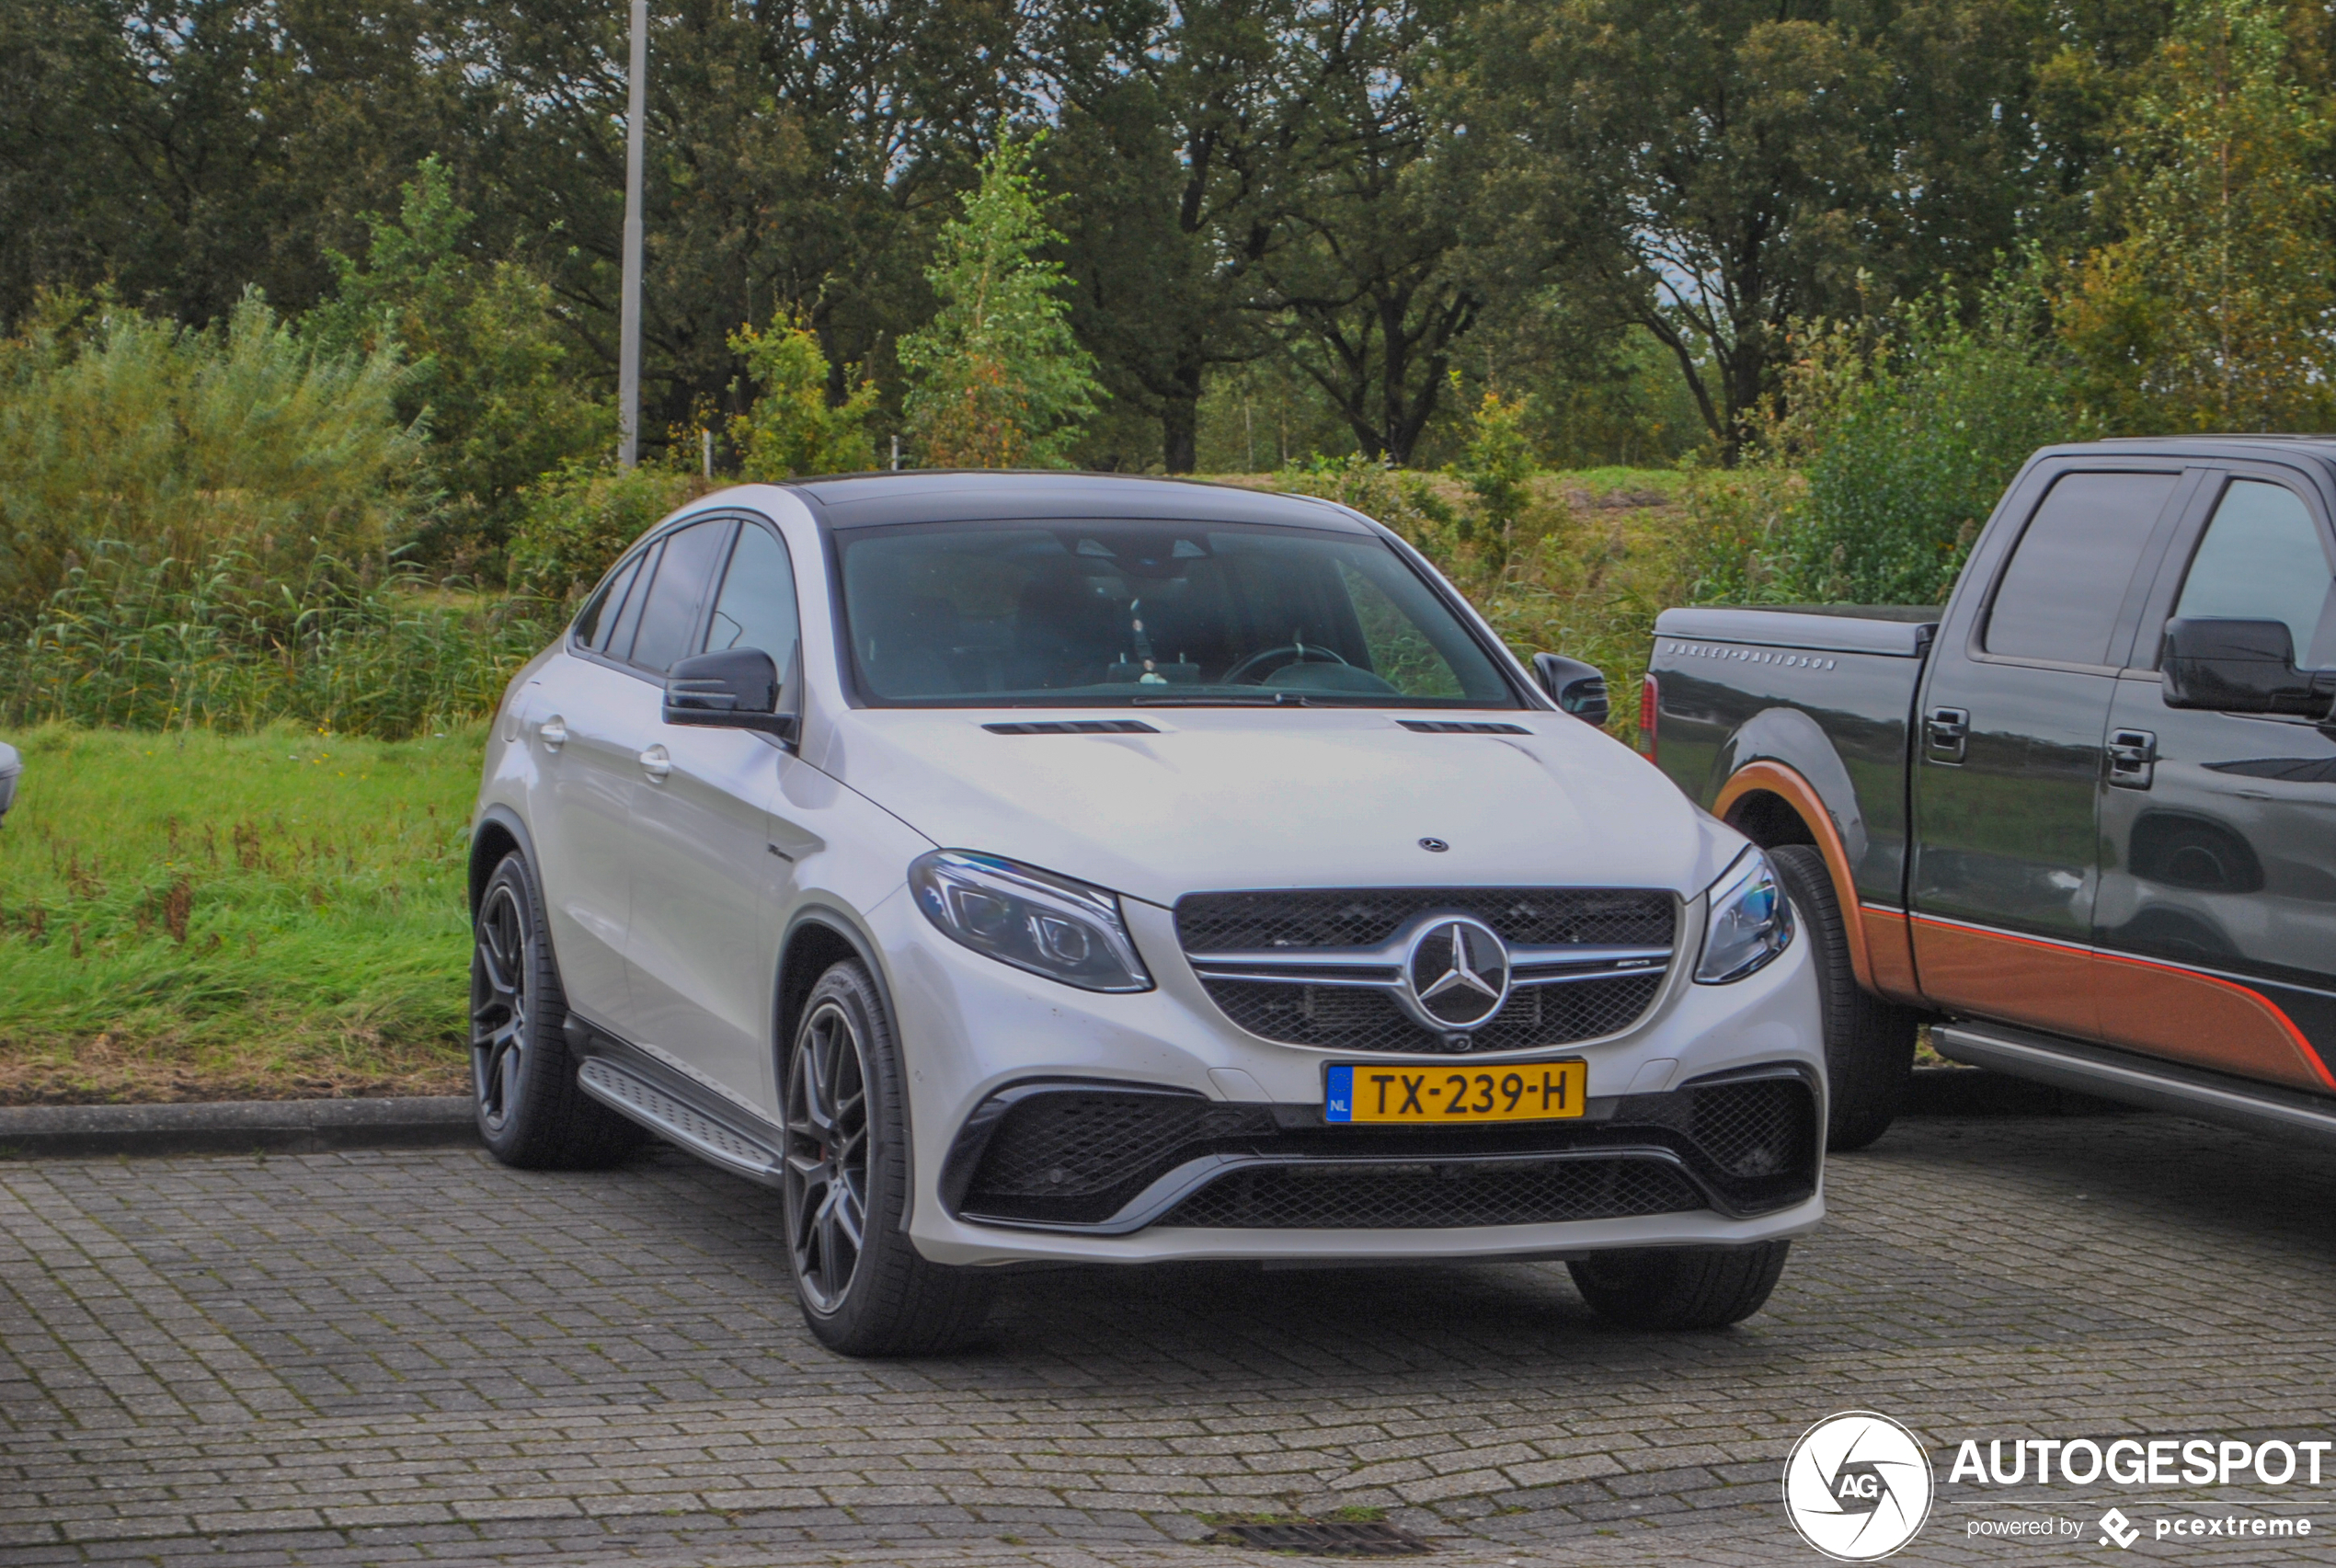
[(1828, 692)]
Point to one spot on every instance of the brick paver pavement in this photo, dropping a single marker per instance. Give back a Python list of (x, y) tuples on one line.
[(423, 1356)]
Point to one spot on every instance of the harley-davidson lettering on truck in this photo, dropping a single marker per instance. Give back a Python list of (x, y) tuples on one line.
[(1014, 868), (2083, 816)]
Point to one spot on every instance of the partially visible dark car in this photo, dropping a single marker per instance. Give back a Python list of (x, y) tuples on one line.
[(2083, 815)]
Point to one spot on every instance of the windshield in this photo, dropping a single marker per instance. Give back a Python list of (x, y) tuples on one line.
[(1124, 613)]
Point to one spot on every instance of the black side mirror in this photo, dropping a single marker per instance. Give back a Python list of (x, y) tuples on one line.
[(734, 688), (2242, 667), (1576, 687)]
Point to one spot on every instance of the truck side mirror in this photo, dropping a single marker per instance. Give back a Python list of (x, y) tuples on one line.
[(2242, 667), (1576, 687), (734, 688), (10, 766)]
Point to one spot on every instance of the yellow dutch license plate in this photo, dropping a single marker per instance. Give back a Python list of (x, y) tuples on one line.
[(1509, 1091)]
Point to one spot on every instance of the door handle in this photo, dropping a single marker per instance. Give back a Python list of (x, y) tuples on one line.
[(1944, 732), (2132, 758), (554, 733), (658, 763)]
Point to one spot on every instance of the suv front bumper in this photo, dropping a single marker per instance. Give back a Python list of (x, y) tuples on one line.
[(1051, 1124)]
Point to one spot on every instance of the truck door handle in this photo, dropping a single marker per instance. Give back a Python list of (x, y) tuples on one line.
[(1944, 730), (658, 763), (2132, 758), (554, 733)]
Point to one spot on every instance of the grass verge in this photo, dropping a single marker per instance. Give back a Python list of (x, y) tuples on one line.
[(195, 916)]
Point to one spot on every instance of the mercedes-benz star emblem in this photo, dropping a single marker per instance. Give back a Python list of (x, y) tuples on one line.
[(1456, 974)]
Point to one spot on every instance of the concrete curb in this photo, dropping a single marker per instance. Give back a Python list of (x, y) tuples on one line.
[(236, 1127)]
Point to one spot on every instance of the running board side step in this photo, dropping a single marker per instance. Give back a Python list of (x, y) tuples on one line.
[(2139, 1080), (718, 1142)]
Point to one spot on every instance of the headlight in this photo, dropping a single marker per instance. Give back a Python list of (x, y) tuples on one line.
[(1047, 925), (1750, 921)]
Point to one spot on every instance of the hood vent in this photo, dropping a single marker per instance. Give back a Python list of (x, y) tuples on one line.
[(1460, 726), (1074, 726)]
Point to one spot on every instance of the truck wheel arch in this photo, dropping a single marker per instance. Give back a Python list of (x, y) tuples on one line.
[(1772, 804)]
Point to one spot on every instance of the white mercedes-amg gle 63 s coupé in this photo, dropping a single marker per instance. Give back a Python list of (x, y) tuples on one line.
[(1060, 868)]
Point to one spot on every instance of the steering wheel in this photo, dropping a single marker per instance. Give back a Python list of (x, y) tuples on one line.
[(1289, 653)]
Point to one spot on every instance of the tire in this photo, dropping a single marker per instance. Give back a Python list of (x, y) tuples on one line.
[(847, 1171), (532, 1112), (1868, 1043), (1679, 1287)]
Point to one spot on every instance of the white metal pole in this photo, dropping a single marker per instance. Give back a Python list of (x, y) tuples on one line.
[(628, 351)]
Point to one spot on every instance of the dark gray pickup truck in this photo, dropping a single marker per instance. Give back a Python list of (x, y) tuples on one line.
[(2083, 816)]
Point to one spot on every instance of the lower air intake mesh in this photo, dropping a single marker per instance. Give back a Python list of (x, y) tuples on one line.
[(1077, 1155), (1329, 1198)]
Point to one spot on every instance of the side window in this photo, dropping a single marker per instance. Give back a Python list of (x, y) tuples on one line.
[(626, 619), (600, 614), (756, 607), (669, 612), (2262, 560), (2060, 595)]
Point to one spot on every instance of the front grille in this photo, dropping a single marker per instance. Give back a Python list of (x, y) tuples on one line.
[(1237, 941), (1079, 1156), (1363, 917), (1353, 1019), (1404, 1197)]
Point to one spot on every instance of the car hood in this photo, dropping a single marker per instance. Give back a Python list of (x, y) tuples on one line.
[(1242, 798)]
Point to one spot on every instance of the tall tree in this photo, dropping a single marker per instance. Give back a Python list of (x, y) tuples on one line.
[(1714, 169), (800, 156), (2211, 309), (1168, 128), (490, 378), (188, 150), (1361, 268), (997, 379)]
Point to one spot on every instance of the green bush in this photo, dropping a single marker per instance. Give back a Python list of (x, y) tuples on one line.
[(1893, 441), (120, 430), (791, 431), (579, 518), (1404, 501)]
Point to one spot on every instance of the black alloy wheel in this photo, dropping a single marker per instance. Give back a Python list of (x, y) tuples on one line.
[(532, 1112), (826, 1155), (863, 1288), (499, 964)]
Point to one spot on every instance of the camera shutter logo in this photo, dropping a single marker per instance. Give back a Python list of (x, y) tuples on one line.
[(1857, 1486)]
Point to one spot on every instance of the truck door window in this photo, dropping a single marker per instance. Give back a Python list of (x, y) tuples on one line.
[(2060, 596), (2262, 560)]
